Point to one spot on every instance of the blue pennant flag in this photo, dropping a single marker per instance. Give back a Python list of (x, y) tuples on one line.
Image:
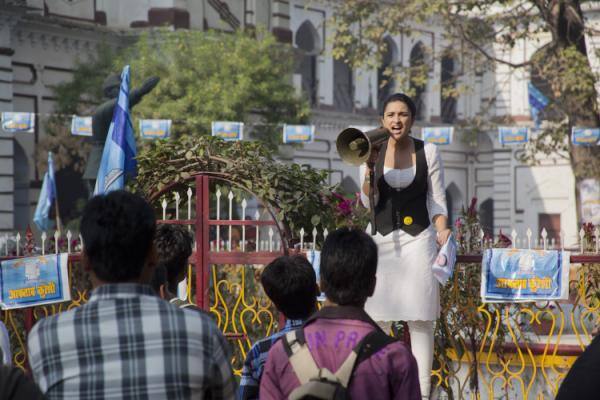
[(537, 103), (585, 136), (438, 134), (513, 134), (155, 128), (118, 157), (46, 199), (18, 122), (298, 133), (81, 126), (227, 130)]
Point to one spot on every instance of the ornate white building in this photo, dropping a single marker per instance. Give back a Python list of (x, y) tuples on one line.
[(40, 40)]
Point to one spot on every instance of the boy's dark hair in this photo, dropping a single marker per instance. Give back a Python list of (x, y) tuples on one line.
[(117, 230), (348, 267), (404, 99), (291, 284), (174, 247)]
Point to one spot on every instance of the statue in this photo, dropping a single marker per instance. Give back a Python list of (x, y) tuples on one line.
[(103, 117)]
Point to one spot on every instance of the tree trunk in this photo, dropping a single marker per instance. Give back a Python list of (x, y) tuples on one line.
[(569, 31)]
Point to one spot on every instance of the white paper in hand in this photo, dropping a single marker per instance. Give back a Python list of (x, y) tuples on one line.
[(443, 266)]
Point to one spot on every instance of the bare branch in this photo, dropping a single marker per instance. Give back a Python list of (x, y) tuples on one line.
[(484, 52)]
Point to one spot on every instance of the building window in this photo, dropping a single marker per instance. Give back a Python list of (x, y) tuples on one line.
[(454, 202), (343, 93), (448, 82), (486, 217), (307, 40), (418, 71), (385, 78)]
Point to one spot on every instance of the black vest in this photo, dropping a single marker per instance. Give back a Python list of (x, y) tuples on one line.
[(406, 208)]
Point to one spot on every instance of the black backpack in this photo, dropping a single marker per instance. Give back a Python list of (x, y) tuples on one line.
[(320, 383)]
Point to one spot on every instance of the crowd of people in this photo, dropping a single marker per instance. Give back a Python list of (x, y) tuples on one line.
[(134, 338)]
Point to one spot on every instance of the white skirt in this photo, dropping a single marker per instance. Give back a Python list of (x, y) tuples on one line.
[(406, 289)]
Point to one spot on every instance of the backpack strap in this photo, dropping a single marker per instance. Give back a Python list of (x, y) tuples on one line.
[(369, 345), (299, 355)]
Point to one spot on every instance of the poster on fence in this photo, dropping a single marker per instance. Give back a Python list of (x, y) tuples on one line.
[(520, 275), (33, 281), (298, 133), (513, 134), (314, 257), (439, 135), (585, 136), (155, 128), (81, 126), (228, 131), (18, 122)]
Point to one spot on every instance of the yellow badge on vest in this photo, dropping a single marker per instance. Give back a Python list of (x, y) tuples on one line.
[(408, 220)]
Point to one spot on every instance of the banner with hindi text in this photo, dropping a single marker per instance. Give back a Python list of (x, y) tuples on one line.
[(518, 275), (33, 281)]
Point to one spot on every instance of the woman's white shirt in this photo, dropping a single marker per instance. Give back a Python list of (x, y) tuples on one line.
[(401, 178)]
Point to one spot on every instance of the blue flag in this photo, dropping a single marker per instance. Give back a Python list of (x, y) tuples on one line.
[(118, 157), (46, 199), (537, 103)]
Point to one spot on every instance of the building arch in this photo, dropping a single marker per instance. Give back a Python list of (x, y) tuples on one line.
[(385, 82), (448, 84), (454, 202), (308, 41), (418, 67)]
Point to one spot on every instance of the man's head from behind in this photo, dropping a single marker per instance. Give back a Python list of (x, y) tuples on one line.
[(348, 267), (291, 283), (174, 247), (118, 232)]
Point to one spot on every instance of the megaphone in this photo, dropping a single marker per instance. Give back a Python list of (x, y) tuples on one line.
[(355, 146)]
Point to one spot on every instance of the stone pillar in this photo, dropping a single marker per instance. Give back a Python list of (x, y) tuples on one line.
[(7, 168), (280, 20)]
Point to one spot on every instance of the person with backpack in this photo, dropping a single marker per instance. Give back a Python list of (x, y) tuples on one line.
[(340, 352), (290, 283)]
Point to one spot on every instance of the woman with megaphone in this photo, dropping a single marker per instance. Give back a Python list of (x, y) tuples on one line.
[(410, 218)]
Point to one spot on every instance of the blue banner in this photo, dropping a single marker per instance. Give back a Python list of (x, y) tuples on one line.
[(438, 134), (81, 126), (228, 131), (585, 136), (32, 281), (513, 134), (118, 156), (298, 133), (155, 128), (515, 275), (18, 122)]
